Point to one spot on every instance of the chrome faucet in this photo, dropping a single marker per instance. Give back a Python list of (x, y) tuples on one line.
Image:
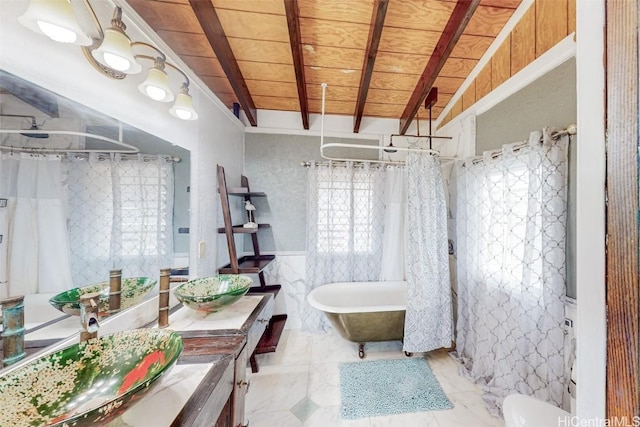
[(12, 329), (89, 319)]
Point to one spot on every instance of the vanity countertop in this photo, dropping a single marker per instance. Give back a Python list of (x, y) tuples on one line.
[(202, 380)]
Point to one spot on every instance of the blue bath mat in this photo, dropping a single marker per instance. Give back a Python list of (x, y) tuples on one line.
[(388, 387)]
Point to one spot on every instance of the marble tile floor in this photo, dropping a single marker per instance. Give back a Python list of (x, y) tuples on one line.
[(298, 386)]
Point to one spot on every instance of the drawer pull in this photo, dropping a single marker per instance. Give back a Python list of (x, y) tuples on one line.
[(244, 383), (263, 320)]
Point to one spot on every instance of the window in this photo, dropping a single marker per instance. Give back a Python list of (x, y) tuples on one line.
[(347, 208)]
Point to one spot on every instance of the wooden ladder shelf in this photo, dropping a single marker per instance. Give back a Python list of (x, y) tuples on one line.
[(249, 264)]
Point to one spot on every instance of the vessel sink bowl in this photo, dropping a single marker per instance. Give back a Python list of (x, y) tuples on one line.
[(89, 383), (213, 293), (133, 289)]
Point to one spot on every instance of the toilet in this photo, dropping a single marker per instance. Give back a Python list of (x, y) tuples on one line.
[(526, 411)]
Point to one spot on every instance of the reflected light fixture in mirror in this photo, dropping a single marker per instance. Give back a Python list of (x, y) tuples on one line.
[(111, 52)]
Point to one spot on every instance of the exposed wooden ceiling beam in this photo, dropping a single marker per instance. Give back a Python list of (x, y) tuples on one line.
[(375, 31), (452, 31), (293, 22), (210, 23)]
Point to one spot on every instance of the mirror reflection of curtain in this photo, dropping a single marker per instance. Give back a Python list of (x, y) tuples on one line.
[(121, 216), (34, 253), (511, 232)]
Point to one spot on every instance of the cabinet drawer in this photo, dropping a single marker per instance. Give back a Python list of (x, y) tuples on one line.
[(258, 327)]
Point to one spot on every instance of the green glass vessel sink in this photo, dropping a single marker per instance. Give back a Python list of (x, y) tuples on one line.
[(213, 293), (133, 289), (89, 383)]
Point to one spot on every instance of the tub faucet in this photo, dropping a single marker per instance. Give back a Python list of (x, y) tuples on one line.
[(12, 329), (89, 316)]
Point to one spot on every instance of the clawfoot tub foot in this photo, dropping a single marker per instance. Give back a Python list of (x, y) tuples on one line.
[(408, 353), (361, 351)]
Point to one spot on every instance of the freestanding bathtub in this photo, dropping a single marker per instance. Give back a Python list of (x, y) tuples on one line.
[(363, 311)]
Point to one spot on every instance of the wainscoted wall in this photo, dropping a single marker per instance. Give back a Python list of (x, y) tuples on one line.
[(288, 269)]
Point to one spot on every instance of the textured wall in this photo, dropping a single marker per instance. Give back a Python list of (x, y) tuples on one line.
[(272, 165)]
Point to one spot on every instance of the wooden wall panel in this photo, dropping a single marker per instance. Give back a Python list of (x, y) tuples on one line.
[(523, 41), (275, 7), (419, 14), (251, 25), (319, 32), (337, 10), (253, 50), (623, 134), (332, 57), (266, 71), (469, 96), (471, 46), (483, 82), (551, 24), (276, 103), (501, 64), (407, 40), (571, 16), (393, 81), (266, 88), (457, 107), (402, 63)]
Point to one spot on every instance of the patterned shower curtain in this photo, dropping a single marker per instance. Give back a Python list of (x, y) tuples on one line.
[(121, 216), (344, 229), (511, 213), (429, 321)]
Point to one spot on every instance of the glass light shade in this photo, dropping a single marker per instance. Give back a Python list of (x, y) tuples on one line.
[(156, 86), (56, 20), (115, 52), (183, 107)]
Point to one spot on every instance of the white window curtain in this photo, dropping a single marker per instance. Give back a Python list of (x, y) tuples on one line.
[(511, 229), (344, 229), (34, 252), (121, 216), (429, 319)]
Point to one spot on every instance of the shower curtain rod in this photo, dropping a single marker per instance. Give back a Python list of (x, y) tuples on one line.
[(370, 147), (102, 155), (570, 131), (127, 149), (343, 163)]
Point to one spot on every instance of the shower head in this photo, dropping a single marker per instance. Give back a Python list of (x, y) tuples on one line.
[(390, 148), (34, 126)]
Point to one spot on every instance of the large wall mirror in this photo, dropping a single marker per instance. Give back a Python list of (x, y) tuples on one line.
[(82, 194)]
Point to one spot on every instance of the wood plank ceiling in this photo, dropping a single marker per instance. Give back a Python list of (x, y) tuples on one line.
[(379, 58)]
